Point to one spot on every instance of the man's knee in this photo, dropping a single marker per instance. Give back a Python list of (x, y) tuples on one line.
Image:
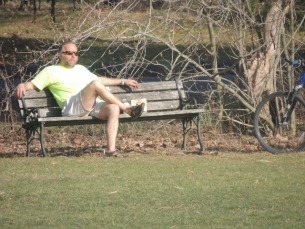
[(113, 110), (109, 111), (94, 84)]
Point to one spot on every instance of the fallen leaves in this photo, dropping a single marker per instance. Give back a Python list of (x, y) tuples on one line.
[(168, 140)]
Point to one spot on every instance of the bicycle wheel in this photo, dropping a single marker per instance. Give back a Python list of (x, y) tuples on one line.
[(272, 133)]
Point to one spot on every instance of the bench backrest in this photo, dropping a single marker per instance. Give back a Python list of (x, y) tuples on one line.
[(161, 96)]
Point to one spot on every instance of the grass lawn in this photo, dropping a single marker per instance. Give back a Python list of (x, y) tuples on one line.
[(224, 191)]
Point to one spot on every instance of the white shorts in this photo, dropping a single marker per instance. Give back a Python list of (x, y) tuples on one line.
[(73, 106)]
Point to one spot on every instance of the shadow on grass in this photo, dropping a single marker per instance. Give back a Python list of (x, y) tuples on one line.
[(66, 151), (70, 151), (11, 154), (95, 151)]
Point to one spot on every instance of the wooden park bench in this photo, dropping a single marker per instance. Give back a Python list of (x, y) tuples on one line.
[(165, 100)]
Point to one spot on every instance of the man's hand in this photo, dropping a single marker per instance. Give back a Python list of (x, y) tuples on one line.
[(131, 82), (20, 90), (23, 87)]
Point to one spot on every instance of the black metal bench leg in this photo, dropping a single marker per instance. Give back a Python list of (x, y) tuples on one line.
[(41, 138), (29, 137), (200, 139), (185, 124), (184, 131)]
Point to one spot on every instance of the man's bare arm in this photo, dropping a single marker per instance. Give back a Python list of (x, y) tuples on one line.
[(116, 81)]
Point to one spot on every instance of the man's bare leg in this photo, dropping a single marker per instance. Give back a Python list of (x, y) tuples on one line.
[(110, 112), (95, 89)]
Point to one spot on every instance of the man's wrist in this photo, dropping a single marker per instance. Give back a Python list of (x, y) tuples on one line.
[(122, 82)]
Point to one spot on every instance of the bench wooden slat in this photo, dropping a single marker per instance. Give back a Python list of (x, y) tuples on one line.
[(151, 86), (151, 96), (66, 121), (49, 112), (37, 94), (41, 102)]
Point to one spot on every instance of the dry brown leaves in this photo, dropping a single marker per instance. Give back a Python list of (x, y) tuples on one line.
[(164, 140)]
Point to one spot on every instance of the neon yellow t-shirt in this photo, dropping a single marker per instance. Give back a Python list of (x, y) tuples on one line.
[(63, 82)]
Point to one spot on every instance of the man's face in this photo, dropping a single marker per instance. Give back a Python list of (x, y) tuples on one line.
[(68, 56)]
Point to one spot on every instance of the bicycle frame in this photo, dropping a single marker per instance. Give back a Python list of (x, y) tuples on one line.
[(291, 96)]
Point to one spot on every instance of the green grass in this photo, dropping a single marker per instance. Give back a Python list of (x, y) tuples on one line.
[(224, 191)]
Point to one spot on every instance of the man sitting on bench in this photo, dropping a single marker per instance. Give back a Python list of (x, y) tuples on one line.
[(79, 92)]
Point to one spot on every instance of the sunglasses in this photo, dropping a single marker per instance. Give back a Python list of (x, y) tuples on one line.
[(70, 53)]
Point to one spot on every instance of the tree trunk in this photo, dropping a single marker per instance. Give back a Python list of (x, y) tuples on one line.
[(261, 71)]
